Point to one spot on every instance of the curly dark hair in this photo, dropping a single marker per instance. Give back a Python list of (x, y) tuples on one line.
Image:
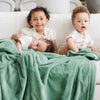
[(50, 46), (38, 8)]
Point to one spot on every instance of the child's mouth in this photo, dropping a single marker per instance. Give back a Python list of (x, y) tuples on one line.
[(30, 46), (38, 25), (83, 27)]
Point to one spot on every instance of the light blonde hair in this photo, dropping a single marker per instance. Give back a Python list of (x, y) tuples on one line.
[(80, 9)]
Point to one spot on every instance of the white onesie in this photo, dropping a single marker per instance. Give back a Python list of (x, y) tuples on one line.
[(81, 41)]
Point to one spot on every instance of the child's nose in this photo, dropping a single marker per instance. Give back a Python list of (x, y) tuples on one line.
[(34, 47), (39, 20), (83, 22)]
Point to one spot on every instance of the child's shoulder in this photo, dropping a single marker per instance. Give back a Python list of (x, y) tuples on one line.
[(50, 33), (74, 34), (27, 29), (48, 29)]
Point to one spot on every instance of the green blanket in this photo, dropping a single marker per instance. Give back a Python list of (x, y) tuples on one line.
[(31, 75)]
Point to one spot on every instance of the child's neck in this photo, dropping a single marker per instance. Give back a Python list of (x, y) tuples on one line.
[(41, 32), (82, 33)]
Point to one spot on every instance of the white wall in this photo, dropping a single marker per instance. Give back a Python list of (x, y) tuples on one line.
[(55, 6)]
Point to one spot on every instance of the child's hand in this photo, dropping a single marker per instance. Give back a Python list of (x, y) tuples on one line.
[(16, 36), (19, 46)]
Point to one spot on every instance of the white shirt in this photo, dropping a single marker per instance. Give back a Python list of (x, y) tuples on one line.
[(49, 33), (29, 34), (25, 41), (81, 41)]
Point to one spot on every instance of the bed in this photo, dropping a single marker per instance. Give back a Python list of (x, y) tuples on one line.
[(46, 76)]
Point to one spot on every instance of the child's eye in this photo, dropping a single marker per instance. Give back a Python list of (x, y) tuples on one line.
[(34, 19), (37, 45), (79, 21), (85, 21), (41, 18)]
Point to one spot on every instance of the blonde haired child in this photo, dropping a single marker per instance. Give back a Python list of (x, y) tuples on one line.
[(79, 38)]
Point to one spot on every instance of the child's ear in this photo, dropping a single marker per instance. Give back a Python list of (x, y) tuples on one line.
[(30, 22), (47, 20), (73, 24)]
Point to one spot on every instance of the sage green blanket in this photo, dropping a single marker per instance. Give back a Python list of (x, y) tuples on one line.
[(34, 75)]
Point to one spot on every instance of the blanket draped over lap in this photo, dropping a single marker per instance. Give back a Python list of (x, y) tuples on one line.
[(31, 75)]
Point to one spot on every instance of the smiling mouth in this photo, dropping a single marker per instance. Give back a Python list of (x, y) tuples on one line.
[(38, 25)]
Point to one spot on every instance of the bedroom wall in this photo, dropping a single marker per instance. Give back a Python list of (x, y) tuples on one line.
[(55, 6)]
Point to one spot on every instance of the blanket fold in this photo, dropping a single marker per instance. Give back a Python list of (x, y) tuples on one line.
[(31, 75)]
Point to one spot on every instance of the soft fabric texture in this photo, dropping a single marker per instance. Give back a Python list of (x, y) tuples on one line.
[(50, 34), (25, 41), (31, 75)]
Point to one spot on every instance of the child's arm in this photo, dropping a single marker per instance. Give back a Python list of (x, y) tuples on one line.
[(72, 45), (19, 46), (63, 50), (55, 46), (93, 48), (16, 36)]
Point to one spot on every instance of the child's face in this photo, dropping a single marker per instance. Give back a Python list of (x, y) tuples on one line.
[(81, 22), (38, 45), (38, 20)]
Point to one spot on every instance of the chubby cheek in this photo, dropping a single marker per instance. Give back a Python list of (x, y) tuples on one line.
[(32, 23), (87, 25), (45, 22), (34, 48), (78, 26)]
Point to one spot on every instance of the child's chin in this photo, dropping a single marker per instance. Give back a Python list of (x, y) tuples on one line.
[(39, 27), (83, 29)]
